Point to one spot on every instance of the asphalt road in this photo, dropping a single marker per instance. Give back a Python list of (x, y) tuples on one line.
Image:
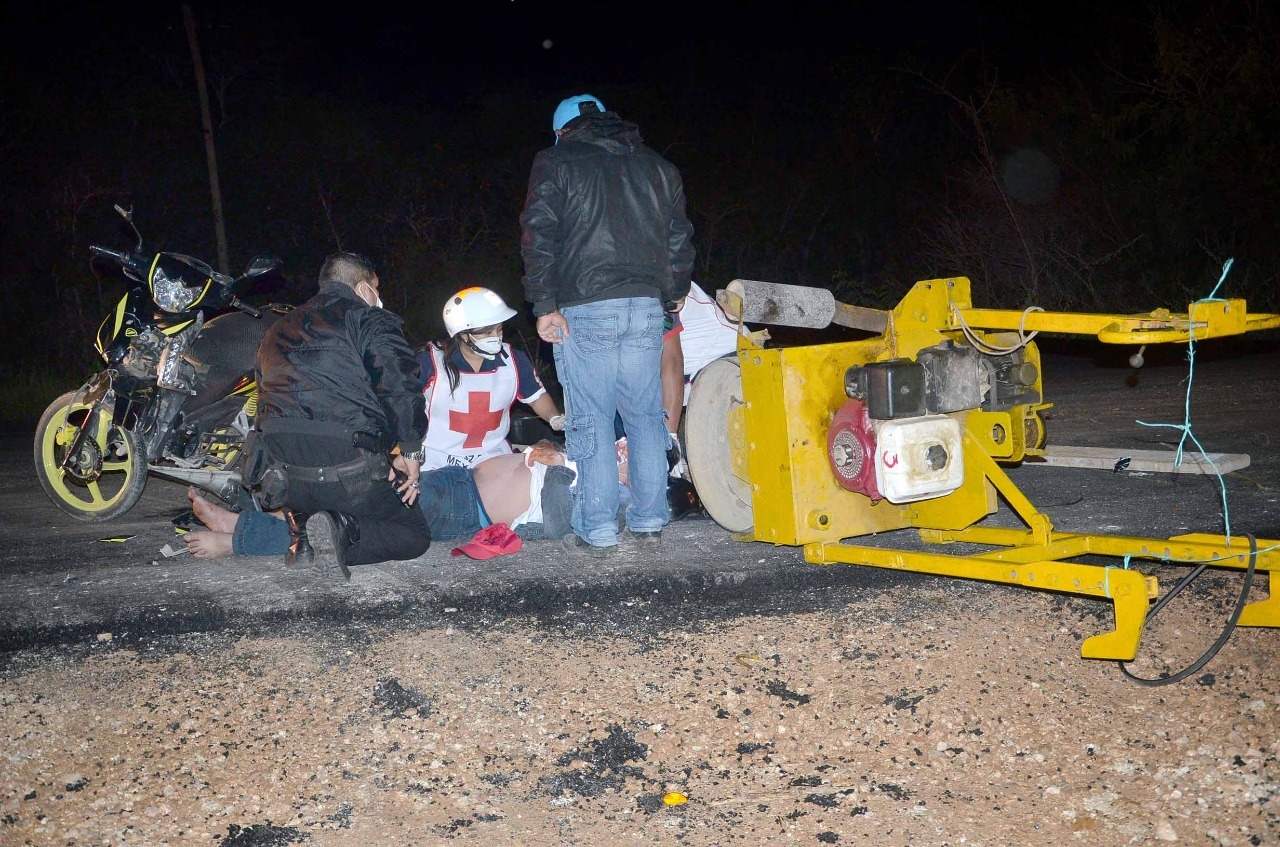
[(60, 584)]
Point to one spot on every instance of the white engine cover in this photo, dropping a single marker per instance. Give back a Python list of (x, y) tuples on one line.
[(918, 458)]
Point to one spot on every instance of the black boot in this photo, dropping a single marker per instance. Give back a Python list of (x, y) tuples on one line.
[(332, 533), (300, 553), (348, 529)]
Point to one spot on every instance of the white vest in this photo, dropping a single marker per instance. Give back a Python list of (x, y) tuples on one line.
[(470, 424)]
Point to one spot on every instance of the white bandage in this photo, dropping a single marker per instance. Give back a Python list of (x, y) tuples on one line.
[(557, 423)]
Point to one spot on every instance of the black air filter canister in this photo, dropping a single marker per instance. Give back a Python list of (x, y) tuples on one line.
[(895, 389)]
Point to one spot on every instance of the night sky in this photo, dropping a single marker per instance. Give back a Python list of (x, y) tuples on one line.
[(438, 53), (860, 146)]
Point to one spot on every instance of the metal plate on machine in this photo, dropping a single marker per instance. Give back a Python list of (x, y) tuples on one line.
[(713, 434)]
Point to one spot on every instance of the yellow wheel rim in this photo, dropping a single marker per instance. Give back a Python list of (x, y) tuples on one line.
[(117, 469)]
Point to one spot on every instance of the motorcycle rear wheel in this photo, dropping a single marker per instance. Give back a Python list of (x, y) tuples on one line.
[(110, 472)]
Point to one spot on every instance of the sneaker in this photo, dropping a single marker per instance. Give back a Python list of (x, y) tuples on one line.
[(574, 545), (644, 540), (329, 542)]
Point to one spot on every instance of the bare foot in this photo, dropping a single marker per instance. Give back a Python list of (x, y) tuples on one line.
[(213, 516), (209, 545)]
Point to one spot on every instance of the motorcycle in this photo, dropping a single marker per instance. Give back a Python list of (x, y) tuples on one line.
[(177, 395)]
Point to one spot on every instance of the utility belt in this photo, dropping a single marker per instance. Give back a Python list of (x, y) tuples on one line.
[(346, 473), (374, 442), (268, 476)]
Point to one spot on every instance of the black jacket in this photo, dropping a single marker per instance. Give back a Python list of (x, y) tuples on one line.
[(604, 219), (337, 359)]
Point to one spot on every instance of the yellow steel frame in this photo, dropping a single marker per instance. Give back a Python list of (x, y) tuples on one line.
[(779, 447)]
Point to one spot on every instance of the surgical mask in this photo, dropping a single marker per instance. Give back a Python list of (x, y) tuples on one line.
[(377, 300), (489, 346)]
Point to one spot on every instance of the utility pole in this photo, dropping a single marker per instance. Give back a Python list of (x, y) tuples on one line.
[(219, 230)]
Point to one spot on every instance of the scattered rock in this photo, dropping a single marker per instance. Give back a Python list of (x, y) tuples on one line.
[(394, 699)]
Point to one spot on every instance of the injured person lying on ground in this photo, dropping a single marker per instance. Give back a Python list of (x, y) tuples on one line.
[(528, 491)]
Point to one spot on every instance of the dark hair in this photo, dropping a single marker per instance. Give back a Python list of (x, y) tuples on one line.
[(447, 347), (350, 269)]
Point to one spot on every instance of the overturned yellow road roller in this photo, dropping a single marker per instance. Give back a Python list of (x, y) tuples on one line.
[(819, 445)]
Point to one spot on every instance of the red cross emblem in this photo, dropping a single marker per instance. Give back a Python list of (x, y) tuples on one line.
[(477, 421)]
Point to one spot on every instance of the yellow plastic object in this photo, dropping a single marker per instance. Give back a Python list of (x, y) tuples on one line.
[(763, 470), (675, 798)]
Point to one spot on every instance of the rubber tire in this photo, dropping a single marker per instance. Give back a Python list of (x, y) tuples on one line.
[(708, 450), (87, 502)]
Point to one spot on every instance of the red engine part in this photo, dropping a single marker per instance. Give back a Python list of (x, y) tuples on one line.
[(851, 449)]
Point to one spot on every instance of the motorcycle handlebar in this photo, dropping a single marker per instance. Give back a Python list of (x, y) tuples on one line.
[(245, 307), (122, 258), (131, 264)]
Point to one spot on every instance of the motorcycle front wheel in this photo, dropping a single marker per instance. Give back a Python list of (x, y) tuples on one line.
[(108, 473)]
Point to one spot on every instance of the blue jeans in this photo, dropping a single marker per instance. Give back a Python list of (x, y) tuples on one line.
[(454, 510), (557, 506), (259, 534), (452, 503), (611, 363)]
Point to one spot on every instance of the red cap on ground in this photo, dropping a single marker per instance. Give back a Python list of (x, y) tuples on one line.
[(494, 540)]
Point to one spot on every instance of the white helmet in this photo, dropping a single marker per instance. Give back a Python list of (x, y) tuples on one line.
[(474, 307)]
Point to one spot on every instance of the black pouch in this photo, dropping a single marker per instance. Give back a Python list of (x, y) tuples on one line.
[(253, 459), (264, 475), (359, 477), (273, 488)]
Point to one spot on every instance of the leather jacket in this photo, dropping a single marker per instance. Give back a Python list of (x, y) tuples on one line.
[(337, 359), (604, 219)]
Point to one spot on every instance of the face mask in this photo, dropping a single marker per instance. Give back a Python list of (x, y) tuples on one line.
[(377, 300), (488, 347)]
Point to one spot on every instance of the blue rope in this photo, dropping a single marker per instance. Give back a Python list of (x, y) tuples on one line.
[(1226, 268), (1185, 426)]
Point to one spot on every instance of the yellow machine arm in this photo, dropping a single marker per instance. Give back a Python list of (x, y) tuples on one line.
[(815, 445), (1205, 319)]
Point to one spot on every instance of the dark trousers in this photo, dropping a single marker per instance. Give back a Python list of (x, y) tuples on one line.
[(449, 501), (388, 530)]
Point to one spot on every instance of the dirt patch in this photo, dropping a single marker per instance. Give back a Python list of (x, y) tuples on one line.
[(935, 713)]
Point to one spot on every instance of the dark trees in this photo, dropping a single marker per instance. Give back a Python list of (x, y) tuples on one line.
[(1118, 178)]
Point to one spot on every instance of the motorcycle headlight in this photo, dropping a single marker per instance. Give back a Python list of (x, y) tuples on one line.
[(170, 293)]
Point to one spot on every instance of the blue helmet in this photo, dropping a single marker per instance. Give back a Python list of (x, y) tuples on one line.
[(570, 108)]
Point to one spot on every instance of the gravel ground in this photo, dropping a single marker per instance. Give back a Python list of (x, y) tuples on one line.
[(933, 713)]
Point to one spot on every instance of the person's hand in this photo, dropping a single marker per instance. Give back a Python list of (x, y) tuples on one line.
[(557, 423), (546, 453), (404, 475), (553, 328)]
